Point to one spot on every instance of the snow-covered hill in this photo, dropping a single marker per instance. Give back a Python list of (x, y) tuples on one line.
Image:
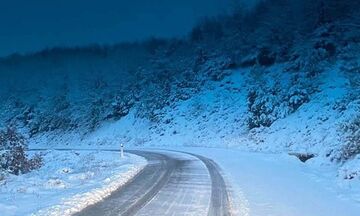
[(218, 116), (239, 81)]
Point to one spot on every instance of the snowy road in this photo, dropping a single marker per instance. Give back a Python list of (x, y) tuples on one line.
[(173, 183)]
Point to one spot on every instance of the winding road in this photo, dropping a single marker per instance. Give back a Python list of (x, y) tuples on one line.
[(173, 183)]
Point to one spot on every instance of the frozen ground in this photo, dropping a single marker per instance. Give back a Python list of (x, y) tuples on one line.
[(67, 183), (280, 185), (217, 117), (272, 182)]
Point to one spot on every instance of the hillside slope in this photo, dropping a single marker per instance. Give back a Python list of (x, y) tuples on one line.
[(238, 81)]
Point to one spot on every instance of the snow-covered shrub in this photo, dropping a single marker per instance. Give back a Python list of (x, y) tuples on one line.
[(96, 110), (328, 49), (62, 118), (313, 56), (2, 175), (270, 99), (156, 94), (61, 122), (263, 108), (215, 67), (151, 110), (35, 162), (350, 170), (297, 97), (197, 109), (27, 115), (121, 106), (351, 147), (352, 70), (55, 115), (310, 61), (188, 85), (13, 153)]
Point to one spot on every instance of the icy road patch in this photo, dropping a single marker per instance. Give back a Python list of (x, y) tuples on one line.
[(67, 183)]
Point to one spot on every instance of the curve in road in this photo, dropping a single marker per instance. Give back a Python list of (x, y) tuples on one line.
[(173, 183)]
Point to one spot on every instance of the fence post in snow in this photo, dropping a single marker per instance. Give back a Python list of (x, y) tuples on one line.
[(121, 150)]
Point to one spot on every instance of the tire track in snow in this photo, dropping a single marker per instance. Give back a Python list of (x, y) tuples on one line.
[(220, 202), (168, 185)]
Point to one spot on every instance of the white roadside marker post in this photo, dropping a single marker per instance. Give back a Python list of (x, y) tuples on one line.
[(122, 150)]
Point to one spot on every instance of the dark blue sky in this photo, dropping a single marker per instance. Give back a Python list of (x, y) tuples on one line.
[(31, 25)]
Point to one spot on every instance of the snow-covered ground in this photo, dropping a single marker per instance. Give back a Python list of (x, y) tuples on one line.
[(262, 184), (217, 117), (293, 91), (272, 182), (281, 185), (68, 182)]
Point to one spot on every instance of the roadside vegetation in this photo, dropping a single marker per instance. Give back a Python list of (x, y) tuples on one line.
[(62, 90)]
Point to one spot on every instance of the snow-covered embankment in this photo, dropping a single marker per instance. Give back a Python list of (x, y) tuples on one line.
[(67, 183)]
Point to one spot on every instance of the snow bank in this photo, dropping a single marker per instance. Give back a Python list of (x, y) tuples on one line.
[(68, 182)]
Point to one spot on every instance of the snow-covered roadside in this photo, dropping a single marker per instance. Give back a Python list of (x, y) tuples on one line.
[(68, 182), (217, 116), (281, 185)]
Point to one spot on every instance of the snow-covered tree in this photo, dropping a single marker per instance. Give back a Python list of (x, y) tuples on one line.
[(13, 149)]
